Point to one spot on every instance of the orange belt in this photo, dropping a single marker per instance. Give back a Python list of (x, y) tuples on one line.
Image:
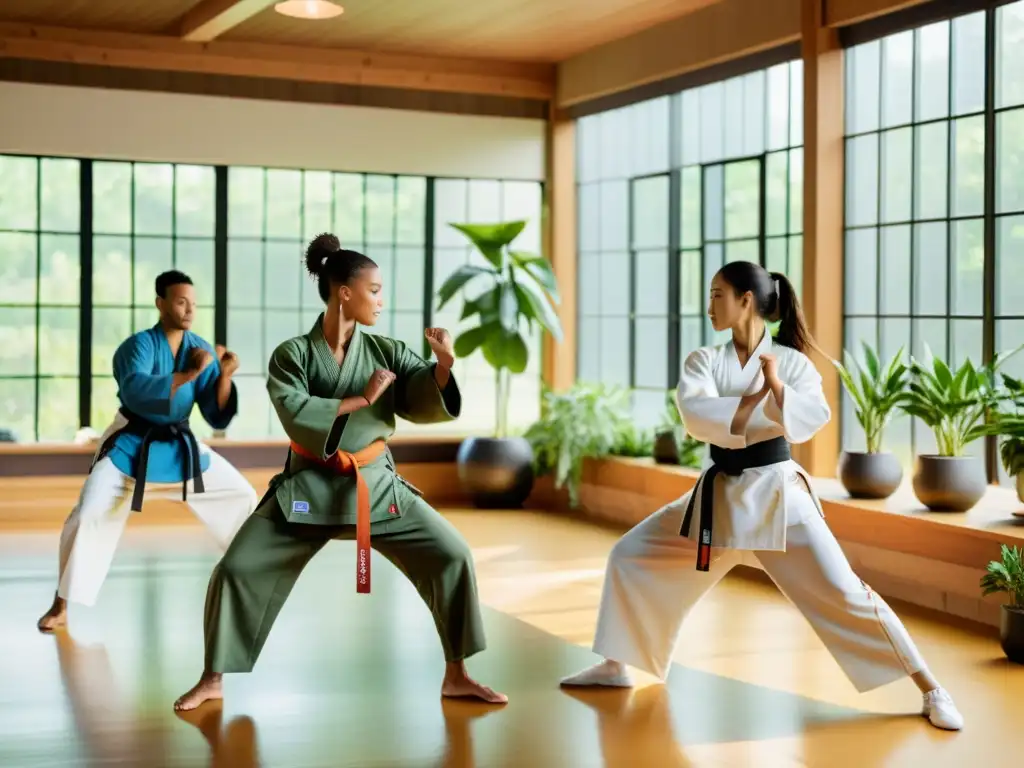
[(345, 463)]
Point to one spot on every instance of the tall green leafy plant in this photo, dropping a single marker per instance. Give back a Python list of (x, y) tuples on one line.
[(516, 289), (583, 422), (1006, 575), (955, 404), (876, 390), (1007, 421)]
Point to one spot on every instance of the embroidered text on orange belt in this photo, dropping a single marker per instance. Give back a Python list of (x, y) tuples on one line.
[(345, 463)]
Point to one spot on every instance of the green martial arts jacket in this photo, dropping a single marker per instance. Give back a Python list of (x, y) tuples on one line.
[(306, 386)]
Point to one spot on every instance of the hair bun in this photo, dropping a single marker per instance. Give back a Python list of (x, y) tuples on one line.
[(319, 251)]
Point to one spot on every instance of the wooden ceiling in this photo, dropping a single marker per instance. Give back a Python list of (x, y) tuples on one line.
[(521, 30), (506, 48)]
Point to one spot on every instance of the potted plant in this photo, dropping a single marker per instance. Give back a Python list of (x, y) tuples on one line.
[(517, 290), (955, 406), (672, 444), (586, 421), (876, 391), (1008, 422), (1011, 452), (1007, 575), (633, 442)]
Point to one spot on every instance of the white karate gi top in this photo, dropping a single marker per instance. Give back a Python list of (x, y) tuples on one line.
[(753, 510)]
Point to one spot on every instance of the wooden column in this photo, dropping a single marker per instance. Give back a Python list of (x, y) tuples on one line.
[(559, 359), (823, 219)]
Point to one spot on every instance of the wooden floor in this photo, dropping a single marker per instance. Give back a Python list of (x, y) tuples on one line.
[(349, 680)]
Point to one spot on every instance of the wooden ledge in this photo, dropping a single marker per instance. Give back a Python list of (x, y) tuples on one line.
[(932, 559), (29, 503), (626, 491), (902, 524), (61, 459)]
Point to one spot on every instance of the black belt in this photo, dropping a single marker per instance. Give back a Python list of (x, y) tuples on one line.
[(150, 432), (732, 462)]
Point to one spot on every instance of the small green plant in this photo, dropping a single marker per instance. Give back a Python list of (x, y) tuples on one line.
[(522, 288), (584, 422), (691, 452), (1006, 575), (876, 390), (633, 442), (955, 405), (1012, 454), (1007, 421)]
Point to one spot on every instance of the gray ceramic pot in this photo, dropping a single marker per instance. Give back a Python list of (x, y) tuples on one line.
[(666, 446), (497, 473), (1011, 633), (869, 475), (949, 483)]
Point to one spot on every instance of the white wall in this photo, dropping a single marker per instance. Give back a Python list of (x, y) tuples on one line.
[(171, 127)]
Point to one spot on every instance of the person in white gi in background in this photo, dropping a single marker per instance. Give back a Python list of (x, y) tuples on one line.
[(749, 399), (161, 374)]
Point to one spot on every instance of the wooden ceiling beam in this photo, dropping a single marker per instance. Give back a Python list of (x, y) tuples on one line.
[(212, 18), (317, 65)]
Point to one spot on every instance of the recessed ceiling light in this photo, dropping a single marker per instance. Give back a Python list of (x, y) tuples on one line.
[(309, 9)]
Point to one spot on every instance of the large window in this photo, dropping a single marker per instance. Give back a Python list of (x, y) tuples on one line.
[(927, 227), (460, 201), (240, 233), (669, 191), (39, 297), (147, 218), (272, 216)]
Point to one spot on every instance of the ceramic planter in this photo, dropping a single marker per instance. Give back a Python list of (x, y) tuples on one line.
[(496, 472), (949, 483), (869, 475)]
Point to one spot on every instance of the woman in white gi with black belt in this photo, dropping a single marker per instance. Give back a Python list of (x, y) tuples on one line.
[(749, 399)]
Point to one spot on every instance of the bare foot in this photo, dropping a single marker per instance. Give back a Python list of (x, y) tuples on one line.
[(57, 616), (459, 685), (208, 688)]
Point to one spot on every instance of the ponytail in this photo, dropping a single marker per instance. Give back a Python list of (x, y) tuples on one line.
[(793, 331)]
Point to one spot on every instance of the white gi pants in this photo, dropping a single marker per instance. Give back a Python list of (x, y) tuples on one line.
[(94, 527), (651, 584)]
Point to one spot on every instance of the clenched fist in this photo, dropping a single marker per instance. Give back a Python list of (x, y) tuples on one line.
[(440, 342), (198, 359), (770, 370), (378, 383), (228, 361)]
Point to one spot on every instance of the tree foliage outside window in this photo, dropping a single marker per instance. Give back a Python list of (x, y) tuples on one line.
[(149, 217), (669, 190), (916, 217)]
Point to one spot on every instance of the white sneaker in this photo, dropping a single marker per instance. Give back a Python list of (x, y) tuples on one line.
[(941, 711), (607, 673)]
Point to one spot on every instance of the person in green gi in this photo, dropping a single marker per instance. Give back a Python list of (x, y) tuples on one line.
[(337, 391)]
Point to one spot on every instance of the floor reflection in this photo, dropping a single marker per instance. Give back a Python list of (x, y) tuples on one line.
[(357, 685), (459, 718), (109, 728), (233, 746), (634, 727)]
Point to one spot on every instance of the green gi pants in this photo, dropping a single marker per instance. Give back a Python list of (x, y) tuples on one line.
[(254, 578)]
